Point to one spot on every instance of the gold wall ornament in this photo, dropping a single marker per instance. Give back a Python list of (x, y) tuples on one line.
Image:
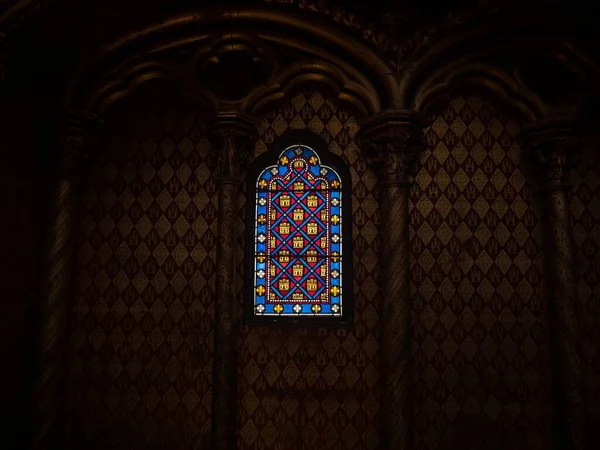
[(553, 152), (74, 139), (229, 129), (396, 138)]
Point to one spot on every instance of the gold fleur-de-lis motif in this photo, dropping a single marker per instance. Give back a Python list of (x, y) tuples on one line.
[(284, 160), (262, 184), (278, 308), (335, 184), (335, 219), (260, 290), (335, 291), (261, 257), (262, 219), (313, 160), (316, 308)]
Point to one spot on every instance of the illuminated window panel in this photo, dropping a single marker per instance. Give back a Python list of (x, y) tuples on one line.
[(298, 239)]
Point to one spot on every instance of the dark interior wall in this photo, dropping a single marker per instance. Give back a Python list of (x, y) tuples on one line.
[(585, 213), (141, 334), (480, 344), (316, 387), (141, 337), (141, 328), (21, 240)]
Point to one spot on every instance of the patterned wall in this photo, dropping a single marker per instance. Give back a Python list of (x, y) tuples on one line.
[(480, 339), (585, 210), (314, 387), (141, 364), (141, 332)]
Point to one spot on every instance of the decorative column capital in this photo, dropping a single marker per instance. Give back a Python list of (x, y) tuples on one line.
[(75, 137), (395, 139), (232, 136), (552, 150)]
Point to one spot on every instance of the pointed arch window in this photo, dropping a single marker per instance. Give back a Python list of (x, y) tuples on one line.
[(299, 235)]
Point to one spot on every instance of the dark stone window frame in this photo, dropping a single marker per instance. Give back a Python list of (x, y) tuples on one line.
[(269, 158)]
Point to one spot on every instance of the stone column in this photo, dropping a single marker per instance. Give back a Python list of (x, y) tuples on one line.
[(395, 138), (553, 150), (231, 133), (72, 138)]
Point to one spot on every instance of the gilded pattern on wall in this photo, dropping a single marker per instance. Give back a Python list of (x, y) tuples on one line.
[(585, 215), (315, 387), (141, 334), (481, 368)]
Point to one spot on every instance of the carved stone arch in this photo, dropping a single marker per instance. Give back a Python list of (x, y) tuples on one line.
[(482, 77), (131, 77), (291, 78), (180, 49), (562, 73), (493, 56)]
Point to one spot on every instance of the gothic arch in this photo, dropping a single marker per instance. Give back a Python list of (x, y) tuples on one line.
[(461, 77), (485, 57), (180, 48)]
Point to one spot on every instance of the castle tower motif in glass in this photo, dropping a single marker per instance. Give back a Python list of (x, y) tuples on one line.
[(298, 237)]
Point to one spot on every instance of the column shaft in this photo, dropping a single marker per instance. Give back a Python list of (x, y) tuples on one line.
[(72, 139), (395, 140), (395, 316), (227, 127), (566, 328), (224, 400), (56, 299), (553, 151)]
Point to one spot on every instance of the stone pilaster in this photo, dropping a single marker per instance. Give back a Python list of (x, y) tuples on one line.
[(553, 151), (395, 139), (73, 139), (231, 136)]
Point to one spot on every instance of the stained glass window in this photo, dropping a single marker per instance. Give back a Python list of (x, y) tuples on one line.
[(298, 238)]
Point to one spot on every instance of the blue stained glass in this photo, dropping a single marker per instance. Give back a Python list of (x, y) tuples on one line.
[(298, 237)]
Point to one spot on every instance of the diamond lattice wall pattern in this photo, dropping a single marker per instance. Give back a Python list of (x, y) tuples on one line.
[(141, 337), (480, 337), (318, 388), (140, 364), (585, 213)]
